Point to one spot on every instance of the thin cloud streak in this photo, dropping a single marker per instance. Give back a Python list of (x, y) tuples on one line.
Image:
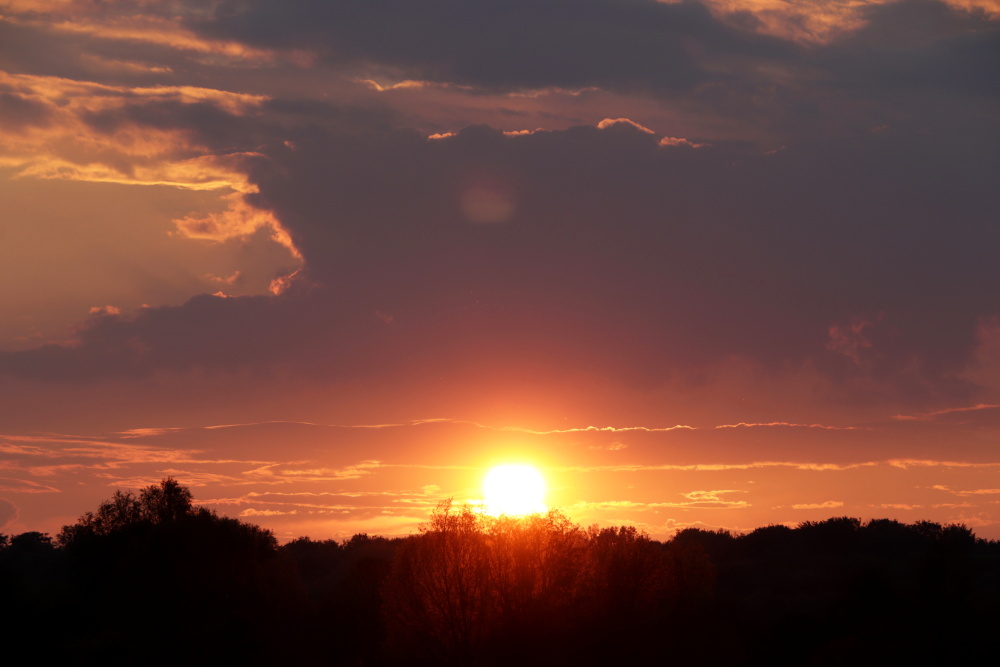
[(927, 416), (829, 504), (714, 467), (790, 425)]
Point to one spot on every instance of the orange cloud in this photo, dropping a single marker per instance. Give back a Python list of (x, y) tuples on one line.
[(926, 416), (255, 512), (554, 90), (928, 463), (680, 141), (10, 484), (829, 504), (68, 146), (789, 425), (703, 500), (972, 492), (818, 21), (409, 84), (615, 446), (604, 429), (611, 122), (239, 220), (706, 467), (79, 18)]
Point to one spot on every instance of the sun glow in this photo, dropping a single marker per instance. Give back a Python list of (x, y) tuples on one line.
[(514, 490)]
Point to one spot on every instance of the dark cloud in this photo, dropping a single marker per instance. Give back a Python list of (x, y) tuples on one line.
[(511, 44), (920, 46), (18, 112), (687, 254), (919, 63), (37, 48), (8, 512), (866, 251), (598, 251), (212, 126)]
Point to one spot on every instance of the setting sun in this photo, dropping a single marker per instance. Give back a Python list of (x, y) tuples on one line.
[(514, 490)]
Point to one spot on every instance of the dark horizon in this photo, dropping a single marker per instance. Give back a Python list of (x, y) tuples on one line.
[(470, 589), (709, 264)]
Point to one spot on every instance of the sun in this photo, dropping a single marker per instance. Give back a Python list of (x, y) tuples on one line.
[(514, 490)]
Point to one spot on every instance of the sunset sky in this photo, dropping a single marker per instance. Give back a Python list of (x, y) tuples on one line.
[(716, 263)]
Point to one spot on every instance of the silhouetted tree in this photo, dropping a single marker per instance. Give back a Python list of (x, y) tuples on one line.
[(471, 586), (627, 574), (164, 503), (214, 578), (437, 600), (470, 589)]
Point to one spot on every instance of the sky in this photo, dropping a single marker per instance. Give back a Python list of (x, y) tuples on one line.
[(708, 263)]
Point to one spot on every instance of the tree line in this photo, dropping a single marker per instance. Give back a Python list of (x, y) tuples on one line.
[(150, 576)]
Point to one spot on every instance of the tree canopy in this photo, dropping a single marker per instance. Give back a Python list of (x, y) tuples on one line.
[(472, 589)]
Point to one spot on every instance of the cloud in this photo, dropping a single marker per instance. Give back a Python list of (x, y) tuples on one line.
[(239, 220), (14, 485), (8, 512), (680, 141), (468, 42), (615, 446), (605, 429), (615, 122), (789, 425), (959, 412), (784, 66), (251, 512), (829, 504), (930, 463), (822, 21), (970, 492), (715, 467), (164, 135), (580, 250)]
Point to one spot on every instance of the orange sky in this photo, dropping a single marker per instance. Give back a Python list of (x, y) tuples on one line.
[(715, 264)]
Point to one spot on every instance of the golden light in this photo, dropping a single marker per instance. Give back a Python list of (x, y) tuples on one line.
[(514, 490)]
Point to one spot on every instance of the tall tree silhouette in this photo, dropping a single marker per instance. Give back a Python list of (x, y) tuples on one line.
[(214, 579)]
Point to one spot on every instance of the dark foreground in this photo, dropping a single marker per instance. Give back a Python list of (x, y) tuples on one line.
[(152, 579)]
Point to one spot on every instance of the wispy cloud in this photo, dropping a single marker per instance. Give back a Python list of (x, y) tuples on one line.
[(602, 429), (251, 512), (147, 432), (930, 463), (928, 416), (612, 122), (67, 447), (829, 504), (135, 28), (797, 465), (709, 500), (14, 485), (823, 427), (969, 492), (101, 133)]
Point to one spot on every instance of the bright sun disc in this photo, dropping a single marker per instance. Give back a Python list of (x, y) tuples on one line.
[(514, 490)]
